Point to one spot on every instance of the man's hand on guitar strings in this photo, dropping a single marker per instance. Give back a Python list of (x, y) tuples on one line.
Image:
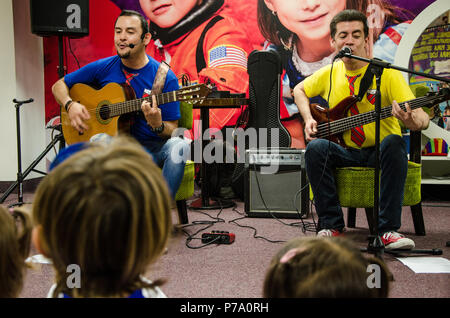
[(407, 117), (310, 129), (152, 113)]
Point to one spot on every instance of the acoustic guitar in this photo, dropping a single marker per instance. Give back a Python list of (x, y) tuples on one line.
[(113, 102), (331, 123)]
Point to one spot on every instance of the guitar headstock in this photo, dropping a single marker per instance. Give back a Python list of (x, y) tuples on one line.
[(444, 91), (442, 95), (435, 98), (194, 93)]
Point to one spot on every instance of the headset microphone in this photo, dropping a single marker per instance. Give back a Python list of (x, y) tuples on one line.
[(131, 45)]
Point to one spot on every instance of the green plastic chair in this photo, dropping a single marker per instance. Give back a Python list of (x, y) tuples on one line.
[(355, 187), (186, 189)]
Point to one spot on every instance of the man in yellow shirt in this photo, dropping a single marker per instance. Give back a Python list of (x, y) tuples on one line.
[(349, 28)]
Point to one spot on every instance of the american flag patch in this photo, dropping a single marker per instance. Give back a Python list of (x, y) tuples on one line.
[(227, 55)]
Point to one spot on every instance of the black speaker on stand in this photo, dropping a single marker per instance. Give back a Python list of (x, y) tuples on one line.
[(49, 18), (60, 17)]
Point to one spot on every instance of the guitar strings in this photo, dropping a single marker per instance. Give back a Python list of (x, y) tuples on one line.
[(361, 119), (117, 109), (357, 120), (344, 124)]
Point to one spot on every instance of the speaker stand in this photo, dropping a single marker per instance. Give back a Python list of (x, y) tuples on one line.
[(205, 202)]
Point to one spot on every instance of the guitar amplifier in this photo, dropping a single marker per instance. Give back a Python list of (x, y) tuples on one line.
[(275, 183)]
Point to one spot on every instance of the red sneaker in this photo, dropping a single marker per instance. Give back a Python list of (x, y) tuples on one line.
[(393, 240)]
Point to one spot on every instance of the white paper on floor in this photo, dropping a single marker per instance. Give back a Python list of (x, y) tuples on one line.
[(422, 265), (39, 259)]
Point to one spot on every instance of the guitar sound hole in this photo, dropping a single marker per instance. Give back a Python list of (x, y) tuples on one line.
[(104, 112)]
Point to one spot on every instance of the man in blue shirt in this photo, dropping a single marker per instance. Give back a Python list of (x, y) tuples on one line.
[(153, 127)]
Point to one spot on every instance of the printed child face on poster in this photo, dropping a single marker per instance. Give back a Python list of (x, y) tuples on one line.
[(303, 24), (388, 20), (166, 14)]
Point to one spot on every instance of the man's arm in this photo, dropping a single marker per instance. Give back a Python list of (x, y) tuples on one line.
[(76, 111), (61, 92), (302, 102)]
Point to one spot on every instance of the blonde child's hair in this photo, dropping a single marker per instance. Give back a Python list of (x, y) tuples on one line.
[(107, 210)]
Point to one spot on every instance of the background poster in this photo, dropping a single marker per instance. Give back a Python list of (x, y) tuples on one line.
[(80, 51), (431, 54)]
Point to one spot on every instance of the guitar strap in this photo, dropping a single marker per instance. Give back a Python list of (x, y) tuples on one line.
[(160, 78), (366, 82)]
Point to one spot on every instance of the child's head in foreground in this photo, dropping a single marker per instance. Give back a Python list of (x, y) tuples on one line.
[(315, 267), (107, 210), (15, 239)]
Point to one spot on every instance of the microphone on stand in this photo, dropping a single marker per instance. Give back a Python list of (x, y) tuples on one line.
[(345, 50)]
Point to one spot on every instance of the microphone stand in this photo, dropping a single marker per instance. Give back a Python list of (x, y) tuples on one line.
[(376, 246), (58, 138), (22, 175)]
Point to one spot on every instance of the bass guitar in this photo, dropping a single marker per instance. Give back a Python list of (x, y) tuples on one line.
[(331, 123)]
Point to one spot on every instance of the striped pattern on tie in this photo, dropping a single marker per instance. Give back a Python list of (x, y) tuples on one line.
[(357, 133), (371, 98)]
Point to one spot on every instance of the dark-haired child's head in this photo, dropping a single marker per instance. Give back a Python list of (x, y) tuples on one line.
[(324, 268), (15, 239)]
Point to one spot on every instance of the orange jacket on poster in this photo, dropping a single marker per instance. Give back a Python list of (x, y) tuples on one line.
[(227, 74)]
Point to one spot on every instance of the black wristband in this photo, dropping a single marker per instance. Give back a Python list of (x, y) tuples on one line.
[(158, 130), (66, 106)]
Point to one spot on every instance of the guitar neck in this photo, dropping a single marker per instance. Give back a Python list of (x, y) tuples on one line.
[(129, 106), (221, 102), (343, 124)]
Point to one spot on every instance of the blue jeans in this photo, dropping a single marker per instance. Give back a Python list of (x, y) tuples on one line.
[(171, 156), (322, 157)]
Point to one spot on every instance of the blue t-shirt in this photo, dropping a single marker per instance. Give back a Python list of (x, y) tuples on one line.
[(111, 69)]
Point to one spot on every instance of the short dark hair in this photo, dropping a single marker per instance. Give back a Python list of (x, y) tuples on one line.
[(328, 267), (349, 15), (130, 13)]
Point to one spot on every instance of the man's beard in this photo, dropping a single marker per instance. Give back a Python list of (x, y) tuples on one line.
[(123, 56)]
